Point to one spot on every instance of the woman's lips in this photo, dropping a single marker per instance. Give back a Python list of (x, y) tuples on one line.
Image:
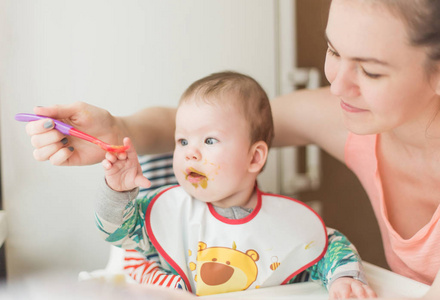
[(350, 108)]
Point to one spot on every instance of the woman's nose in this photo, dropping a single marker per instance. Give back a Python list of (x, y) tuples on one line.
[(193, 154), (344, 84)]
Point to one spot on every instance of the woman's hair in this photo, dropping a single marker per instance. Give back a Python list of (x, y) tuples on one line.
[(422, 18), (247, 94)]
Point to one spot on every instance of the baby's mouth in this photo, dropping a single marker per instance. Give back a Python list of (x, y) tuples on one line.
[(196, 177)]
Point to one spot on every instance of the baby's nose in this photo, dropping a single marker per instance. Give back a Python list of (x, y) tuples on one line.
[(193, 154)]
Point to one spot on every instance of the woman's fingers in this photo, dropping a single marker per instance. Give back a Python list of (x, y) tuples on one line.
[(61, 156), (39, 126), (60, 111), (47, 151), (85, 117), (48, 138)]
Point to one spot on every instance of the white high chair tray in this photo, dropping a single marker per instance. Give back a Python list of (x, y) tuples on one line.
[(385, 283)]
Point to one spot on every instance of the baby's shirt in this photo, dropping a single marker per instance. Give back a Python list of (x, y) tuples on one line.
[(121, 219)]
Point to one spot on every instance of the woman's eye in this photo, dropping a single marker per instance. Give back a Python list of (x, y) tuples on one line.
[(211, 141), (332, 52), (183, 142), (371, 75)]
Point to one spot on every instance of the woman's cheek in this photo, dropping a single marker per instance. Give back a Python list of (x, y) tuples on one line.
[(330, 68)]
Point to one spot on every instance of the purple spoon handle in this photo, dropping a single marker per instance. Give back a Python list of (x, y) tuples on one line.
[(60, 126)]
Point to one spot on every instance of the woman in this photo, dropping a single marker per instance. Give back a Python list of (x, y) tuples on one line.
[(379, 116)]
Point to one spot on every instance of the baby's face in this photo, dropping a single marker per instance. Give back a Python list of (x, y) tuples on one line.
[(212, 153)]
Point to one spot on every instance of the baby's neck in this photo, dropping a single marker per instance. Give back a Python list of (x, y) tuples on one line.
[(250, 201), (234, 212), (239, 212)]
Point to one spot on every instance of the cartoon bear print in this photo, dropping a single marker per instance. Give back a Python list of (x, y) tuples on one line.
[(222, 270)]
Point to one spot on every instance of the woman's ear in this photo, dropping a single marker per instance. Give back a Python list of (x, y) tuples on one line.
[(258, 152)]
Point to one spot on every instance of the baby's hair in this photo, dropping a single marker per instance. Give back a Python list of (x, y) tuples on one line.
[(247, 94)]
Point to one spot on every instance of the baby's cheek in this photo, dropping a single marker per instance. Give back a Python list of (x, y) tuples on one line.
[(213, 169), (179, 173)]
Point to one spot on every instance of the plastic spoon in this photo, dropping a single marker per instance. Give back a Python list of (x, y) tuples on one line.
[(70, 130)]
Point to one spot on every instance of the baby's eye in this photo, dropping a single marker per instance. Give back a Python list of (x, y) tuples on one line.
[(182, 142), (211, 141)]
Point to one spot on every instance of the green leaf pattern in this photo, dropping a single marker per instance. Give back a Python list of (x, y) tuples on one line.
[(341, 256), (131, 234)]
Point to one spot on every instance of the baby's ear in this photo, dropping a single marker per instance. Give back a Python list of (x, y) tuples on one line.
[(258, 152)]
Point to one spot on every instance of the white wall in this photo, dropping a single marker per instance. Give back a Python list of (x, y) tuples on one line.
[(121, 55)]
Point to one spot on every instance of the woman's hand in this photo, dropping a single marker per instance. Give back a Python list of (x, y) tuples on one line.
[(64, 150)]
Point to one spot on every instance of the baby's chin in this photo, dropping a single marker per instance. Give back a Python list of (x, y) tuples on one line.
[(201, 194)]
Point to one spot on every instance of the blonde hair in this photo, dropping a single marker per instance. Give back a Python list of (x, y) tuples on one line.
[(250, 97)]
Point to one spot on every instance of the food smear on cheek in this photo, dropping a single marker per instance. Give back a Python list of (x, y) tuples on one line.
[(217, 167)]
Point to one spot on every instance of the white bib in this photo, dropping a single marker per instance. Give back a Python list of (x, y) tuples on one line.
[(213, 254)]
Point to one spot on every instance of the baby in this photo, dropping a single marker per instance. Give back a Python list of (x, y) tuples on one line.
[(216, 232)]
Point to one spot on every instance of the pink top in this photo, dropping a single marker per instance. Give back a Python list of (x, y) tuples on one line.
[(417, 257)]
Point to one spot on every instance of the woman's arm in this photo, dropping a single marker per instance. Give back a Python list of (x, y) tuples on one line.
[(301, 118), (309, 117), (151, 129)]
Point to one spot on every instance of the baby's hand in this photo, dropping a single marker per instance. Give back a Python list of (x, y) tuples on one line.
[(346, 287), (123, 171)]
